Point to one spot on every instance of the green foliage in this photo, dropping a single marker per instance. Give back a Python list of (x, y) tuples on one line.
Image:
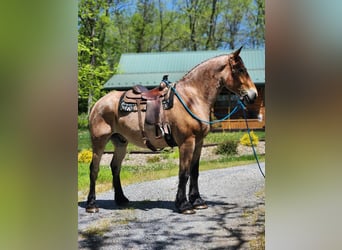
[(227, 148), (93, 67), (245, 139), (90, 81), (221, 137), (82, 121), (106, 29)]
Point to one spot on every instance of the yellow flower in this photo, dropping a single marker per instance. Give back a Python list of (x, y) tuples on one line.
[(85, 156), (245, 140)]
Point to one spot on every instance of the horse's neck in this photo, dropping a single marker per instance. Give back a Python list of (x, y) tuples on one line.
[(201, 93), (201, 88)]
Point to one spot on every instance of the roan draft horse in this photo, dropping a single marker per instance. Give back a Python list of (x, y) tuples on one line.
[(156, 119)]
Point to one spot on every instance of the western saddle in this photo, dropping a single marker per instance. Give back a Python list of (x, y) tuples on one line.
[(153, 102)]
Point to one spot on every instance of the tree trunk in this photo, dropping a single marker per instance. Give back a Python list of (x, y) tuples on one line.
[(212, 24)]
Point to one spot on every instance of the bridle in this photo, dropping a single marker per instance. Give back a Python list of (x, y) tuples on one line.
[(235, 69)]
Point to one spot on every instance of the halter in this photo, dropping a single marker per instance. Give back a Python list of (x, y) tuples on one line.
[(236, 69)]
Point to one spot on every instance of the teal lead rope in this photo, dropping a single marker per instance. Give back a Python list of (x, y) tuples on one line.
[(250, 138), (195, 116), (239, 105)]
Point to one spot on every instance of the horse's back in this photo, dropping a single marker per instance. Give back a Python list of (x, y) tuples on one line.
[(107, 103)]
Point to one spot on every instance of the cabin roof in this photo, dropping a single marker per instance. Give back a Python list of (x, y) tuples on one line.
[(148, 68)]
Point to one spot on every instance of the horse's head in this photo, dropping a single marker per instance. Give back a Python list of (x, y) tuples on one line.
[(237, 78)]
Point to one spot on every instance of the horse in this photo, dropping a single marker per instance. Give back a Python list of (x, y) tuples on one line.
[(198, 90)]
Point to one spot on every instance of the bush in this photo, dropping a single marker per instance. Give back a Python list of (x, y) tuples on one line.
[(82, 121), (85, 156), (153, 159), (245, 140), (227, 148)]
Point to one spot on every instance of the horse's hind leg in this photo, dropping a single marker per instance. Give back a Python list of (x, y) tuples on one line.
[(120, 144), (98, 148)]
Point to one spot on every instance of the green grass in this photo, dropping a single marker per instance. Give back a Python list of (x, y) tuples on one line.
[(83, 139), (218, 137), (154, 169)]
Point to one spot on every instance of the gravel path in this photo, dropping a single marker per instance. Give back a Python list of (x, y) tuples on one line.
[(234, 219)]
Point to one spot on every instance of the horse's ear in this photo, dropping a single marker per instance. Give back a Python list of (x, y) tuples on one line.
[(237, 52)]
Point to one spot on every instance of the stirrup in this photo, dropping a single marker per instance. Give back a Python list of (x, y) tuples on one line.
[(161, 131)]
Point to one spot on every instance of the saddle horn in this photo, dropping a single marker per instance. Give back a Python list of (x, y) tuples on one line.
[(165, 78)]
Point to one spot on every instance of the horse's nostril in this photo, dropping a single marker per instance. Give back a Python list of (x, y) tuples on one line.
[(251, 95)]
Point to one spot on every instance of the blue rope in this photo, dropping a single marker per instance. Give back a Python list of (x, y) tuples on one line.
[(236, 108), (250, 138)]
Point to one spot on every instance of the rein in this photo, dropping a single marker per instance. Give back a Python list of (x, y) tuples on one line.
[(239, 105)]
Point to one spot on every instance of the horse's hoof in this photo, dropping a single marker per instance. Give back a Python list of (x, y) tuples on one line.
[(201, 206), (185, 208), (188, 211), (92, 209), (199, 203)]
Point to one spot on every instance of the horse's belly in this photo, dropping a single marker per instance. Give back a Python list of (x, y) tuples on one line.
[(137, 139), (130, 129)]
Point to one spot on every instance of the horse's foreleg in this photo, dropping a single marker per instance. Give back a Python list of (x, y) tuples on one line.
[(98, 148), (185, 158), (120, 144), (194, 196)]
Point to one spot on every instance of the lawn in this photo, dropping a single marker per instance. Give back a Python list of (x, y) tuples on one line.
[(156, 170), (217, 137)]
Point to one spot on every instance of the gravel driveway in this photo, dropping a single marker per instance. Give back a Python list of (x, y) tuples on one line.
[(234, 219)]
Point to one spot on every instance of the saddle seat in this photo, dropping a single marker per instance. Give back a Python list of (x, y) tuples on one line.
[(141, 92)]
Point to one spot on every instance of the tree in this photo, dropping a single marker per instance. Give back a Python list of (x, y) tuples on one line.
[(257, 24), (234, 25), (93, 19), (210, 44), (142, 23), (108, 28)]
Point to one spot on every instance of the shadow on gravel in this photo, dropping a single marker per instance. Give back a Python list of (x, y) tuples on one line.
[(223, 226), (142, 205), (232, 225)]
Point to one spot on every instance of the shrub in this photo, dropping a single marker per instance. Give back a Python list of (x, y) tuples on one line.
[(245, 140), (85, 156), (227, 148), (153, 159), (82, 121)]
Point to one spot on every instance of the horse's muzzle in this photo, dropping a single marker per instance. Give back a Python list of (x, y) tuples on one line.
[(250, 96)]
